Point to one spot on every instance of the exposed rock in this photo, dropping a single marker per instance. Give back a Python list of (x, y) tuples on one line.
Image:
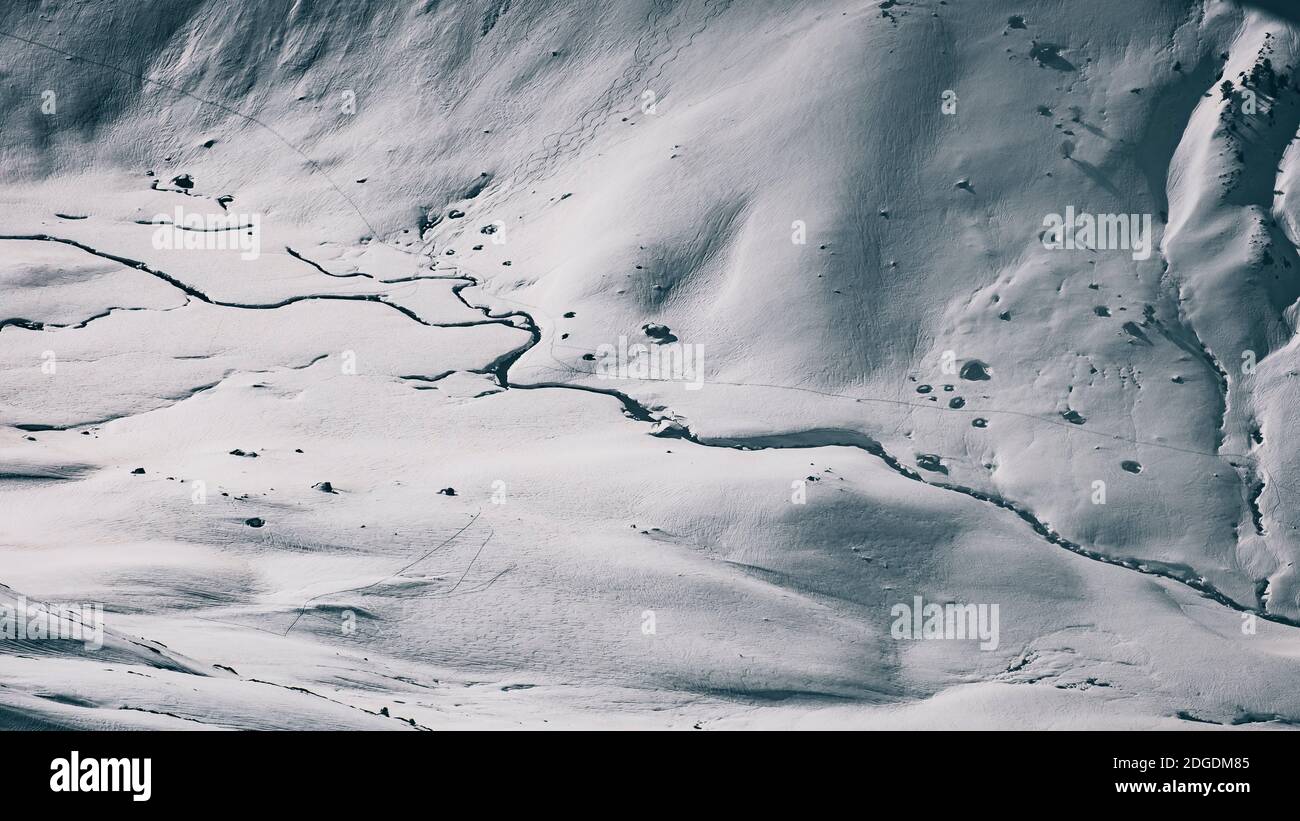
[(975, 371)]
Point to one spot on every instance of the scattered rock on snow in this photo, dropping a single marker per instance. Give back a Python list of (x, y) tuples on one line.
[(931, 462), (975, 371), (659, 333)]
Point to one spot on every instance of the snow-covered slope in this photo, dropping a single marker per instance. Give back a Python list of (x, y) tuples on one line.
[(372, 472)]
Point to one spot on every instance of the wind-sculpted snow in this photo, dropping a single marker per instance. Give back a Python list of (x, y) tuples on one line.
[(649, 364)]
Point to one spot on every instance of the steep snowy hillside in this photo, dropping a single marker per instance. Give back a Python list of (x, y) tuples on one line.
[(659, 363)]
